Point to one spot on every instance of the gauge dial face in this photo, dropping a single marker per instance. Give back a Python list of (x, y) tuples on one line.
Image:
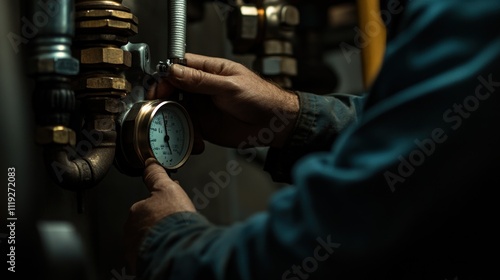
[(170, 136)]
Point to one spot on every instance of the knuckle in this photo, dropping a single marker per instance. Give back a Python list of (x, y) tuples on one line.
[(230, 68), (238, 67), (135, 208), (232, 84), (197, 78), (151, 177)]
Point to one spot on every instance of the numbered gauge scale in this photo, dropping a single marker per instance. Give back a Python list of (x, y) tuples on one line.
[(159, 129)]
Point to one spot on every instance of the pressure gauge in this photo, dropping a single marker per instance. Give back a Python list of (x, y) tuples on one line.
[(170, 135), (159, 129)]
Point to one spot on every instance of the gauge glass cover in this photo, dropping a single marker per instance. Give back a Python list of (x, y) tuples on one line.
[(170, 135)]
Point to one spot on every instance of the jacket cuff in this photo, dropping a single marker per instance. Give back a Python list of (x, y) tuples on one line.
[(320, 120)]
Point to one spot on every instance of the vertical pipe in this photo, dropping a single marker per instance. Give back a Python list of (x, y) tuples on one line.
[(51, 63), (177, 17)]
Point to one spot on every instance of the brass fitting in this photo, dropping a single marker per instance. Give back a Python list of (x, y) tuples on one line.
[(55, 135), (112, 26), (101, 28), (103, 83), (108, 13), (101, 20), (108, 21), (102, 57)]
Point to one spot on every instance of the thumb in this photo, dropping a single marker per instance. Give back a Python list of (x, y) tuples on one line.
[(197, 81), (155, 175)]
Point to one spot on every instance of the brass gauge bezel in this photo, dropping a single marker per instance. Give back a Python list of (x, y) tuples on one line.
[(144, 118)]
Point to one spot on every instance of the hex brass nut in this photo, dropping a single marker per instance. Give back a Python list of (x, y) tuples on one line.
[(55, 135), (99, 4), (109, 26), (104, 83), (109, 13), (112, 56), (56, 65), (113, 106)]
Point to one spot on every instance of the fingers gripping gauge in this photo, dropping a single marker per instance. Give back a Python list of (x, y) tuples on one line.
[(159, 129)]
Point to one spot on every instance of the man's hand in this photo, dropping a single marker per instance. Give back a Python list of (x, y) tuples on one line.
[(167, 197), (231, 102)]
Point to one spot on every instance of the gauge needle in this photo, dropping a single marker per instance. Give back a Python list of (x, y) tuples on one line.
[(167, 138)]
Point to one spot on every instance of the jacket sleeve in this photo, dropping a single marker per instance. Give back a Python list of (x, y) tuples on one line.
[(396, 186), (319, 123)]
